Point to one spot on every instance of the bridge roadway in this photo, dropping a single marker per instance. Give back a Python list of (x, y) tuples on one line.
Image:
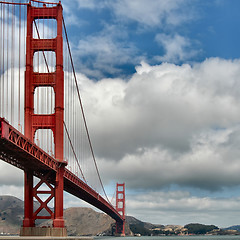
[(20, 152)]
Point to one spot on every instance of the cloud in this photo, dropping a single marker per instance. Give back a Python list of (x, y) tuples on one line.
[(12, 190), (177, 48), (180, 207), (154, 13), (70, 17), (182, 120), (6, 181), (205, 166), (105, 52), (168, 125), (89, 4)]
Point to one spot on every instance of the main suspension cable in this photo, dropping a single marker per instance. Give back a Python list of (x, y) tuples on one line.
[(19, 3), (44, 56), (13, 3), (75, 155), (81, 105)]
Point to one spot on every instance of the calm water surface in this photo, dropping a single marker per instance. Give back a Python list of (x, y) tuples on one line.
[(172, 238)]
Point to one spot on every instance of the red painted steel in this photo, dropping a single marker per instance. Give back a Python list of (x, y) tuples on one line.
[(43, 204), (44, 79), (53, 121), (19, 151), (54, 80), (120, 207)]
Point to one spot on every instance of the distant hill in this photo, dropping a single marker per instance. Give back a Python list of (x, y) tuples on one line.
[(11, 214), (132, 220), (86, 221), (138, 227), (196, 228), (235, 227), (79, 221)]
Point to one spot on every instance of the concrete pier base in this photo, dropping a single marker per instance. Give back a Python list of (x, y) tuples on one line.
[(43, 231), (120, 235)]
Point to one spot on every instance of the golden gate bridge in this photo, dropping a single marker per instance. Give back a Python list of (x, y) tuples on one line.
[(43, 128)]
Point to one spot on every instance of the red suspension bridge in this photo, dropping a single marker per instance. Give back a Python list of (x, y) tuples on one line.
[(43, 129)]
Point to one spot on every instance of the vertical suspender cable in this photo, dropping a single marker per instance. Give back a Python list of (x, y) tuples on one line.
[(19, 59), (24, 34), (7, 83), (12, 63), (1, 70)]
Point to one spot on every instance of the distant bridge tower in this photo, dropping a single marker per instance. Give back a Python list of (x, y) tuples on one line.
[(120, 207), (53, 121)]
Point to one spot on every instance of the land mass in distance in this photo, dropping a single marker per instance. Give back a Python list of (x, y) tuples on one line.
[(87, 222)]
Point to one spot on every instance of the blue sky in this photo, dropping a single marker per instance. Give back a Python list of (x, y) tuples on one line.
[(160, 84), (200, 29)]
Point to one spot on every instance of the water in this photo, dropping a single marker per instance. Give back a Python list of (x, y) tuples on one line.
[(227, 237)]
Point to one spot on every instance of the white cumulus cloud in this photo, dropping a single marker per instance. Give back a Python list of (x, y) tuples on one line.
[(152, 13), (177, 48), (168, 124)]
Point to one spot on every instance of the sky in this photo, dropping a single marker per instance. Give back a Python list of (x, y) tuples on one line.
[(160, 85)]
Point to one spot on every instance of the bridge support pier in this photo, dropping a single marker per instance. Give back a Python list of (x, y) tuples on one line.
[(40, 231), (28, 199), (58, 221), (120, 229), (31, 214)]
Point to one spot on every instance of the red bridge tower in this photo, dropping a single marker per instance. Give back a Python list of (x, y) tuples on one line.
[(53, 121), (120, 207)]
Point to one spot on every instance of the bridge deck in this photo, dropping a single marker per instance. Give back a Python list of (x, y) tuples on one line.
[(19, 151)]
